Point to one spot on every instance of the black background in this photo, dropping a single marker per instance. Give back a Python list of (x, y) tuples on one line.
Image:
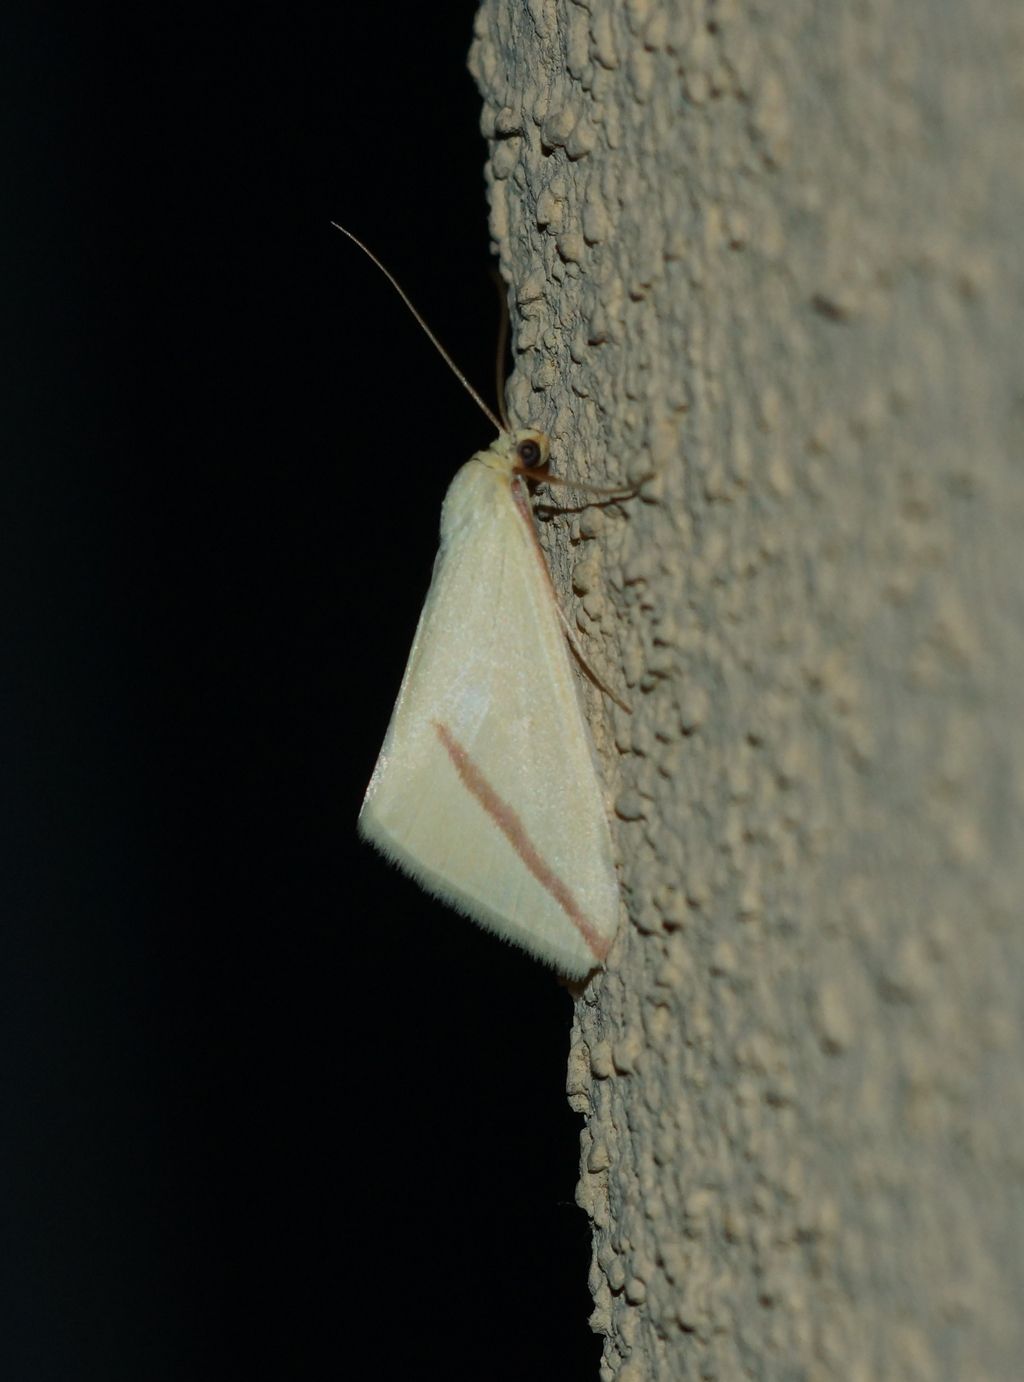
[(270, 1111)]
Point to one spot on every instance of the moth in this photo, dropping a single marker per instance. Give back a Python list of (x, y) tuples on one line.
[(486, 789)]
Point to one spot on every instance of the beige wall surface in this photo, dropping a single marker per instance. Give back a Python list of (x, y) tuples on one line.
[(772, 255)]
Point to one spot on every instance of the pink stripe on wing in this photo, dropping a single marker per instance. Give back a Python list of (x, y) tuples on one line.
[(511, 826)]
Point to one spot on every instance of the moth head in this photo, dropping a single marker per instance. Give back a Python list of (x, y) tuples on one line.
[(530, 454)]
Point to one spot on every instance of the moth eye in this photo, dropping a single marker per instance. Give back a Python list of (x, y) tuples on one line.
[(529, 454)]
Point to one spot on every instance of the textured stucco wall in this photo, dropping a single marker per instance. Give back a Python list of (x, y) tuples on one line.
[(774, 254)]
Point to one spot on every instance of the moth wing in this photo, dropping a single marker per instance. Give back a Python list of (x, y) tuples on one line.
[(486, 790)]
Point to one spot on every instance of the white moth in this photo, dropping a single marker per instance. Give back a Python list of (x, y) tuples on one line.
[(486, 790)]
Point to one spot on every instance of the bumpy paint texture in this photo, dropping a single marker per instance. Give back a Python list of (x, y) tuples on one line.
[(773, 254)]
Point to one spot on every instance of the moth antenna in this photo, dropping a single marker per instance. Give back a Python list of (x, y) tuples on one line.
[(425, 328), (499, 358)]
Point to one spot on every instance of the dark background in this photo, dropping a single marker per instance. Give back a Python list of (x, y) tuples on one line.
[(269, 1110)]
